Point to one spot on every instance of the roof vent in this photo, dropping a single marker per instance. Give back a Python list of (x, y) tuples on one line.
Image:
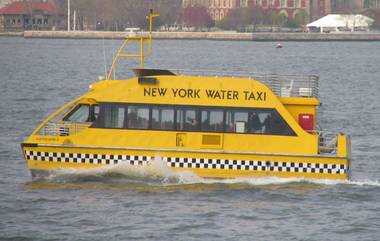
[(147, 80), (151, 72)]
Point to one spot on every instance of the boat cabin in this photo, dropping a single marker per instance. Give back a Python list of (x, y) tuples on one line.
[(208, 112)]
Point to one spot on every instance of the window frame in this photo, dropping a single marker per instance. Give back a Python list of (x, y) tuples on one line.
[(197, 117), (160, 107), (209, 109), (126, 119), (99, 122), (75, 109), (198, 112)]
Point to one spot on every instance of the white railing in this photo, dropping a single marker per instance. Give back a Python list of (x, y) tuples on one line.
[(328, 142), (62, 128), (281, 85)]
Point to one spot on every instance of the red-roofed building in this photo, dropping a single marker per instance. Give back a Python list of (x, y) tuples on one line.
[(24, 15)]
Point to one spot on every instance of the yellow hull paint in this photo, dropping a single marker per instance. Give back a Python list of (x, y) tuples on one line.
[(264, 163)]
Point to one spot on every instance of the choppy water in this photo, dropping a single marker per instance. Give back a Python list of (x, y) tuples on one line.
[(124, 203)]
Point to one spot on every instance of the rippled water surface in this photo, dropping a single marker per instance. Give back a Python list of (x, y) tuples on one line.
[(37, 76)]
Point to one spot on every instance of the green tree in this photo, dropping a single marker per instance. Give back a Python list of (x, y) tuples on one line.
[(169, 11), (246, 17), (235, 19), (257, 15), (301, 17), (223, 23), (271, 18), (196, 17), (282, 19), (291, 23)]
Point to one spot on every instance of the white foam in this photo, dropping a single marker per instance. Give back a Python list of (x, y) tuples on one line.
[(156, 171), (159, 172), (375, 183)]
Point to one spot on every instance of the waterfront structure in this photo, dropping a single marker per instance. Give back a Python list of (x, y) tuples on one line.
[(24, 15), (341, 22)]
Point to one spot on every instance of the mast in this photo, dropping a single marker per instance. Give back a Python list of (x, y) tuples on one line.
[(68, 15), (75, 20), (141, 39)]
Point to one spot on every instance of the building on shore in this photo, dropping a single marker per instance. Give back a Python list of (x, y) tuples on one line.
[(218, 9), (27, 15), (318, 9), (289, 8), (352, 6), (314, 9), (371, 4)]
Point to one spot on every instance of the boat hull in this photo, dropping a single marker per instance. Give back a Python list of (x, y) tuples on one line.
[(209, 164)]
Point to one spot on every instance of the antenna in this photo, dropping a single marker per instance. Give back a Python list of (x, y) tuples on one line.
[(68, 15), (104, 59), (114, 56), (151, 16), (141, 39)]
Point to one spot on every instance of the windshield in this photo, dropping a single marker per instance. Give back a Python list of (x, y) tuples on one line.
[(83, 113)]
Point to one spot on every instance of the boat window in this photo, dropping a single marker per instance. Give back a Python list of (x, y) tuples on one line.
[(162, 118), (258, 121), (95, 112), (187, 119), (114, 116), (80, 114), (236, 119), (138, 117), (208, 119), (276, 125), (212, 120)]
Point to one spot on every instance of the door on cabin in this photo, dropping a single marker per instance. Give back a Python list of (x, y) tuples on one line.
[(204, 123), (212, 128)]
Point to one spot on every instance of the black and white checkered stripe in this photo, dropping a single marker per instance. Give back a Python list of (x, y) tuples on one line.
[(86, 158), (250, 165), (183, 162)]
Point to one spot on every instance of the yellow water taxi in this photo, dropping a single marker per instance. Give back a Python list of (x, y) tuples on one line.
[(217, 125)]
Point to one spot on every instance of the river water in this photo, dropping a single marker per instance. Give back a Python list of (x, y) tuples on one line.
[(37, 76)]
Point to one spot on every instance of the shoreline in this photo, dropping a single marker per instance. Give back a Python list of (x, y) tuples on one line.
[(367, 36)]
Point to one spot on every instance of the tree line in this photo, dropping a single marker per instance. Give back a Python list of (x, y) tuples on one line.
[(116, 15), (243, 19)]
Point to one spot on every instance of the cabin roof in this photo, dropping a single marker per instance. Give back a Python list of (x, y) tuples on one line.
[(282, 85), (190, 90)]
